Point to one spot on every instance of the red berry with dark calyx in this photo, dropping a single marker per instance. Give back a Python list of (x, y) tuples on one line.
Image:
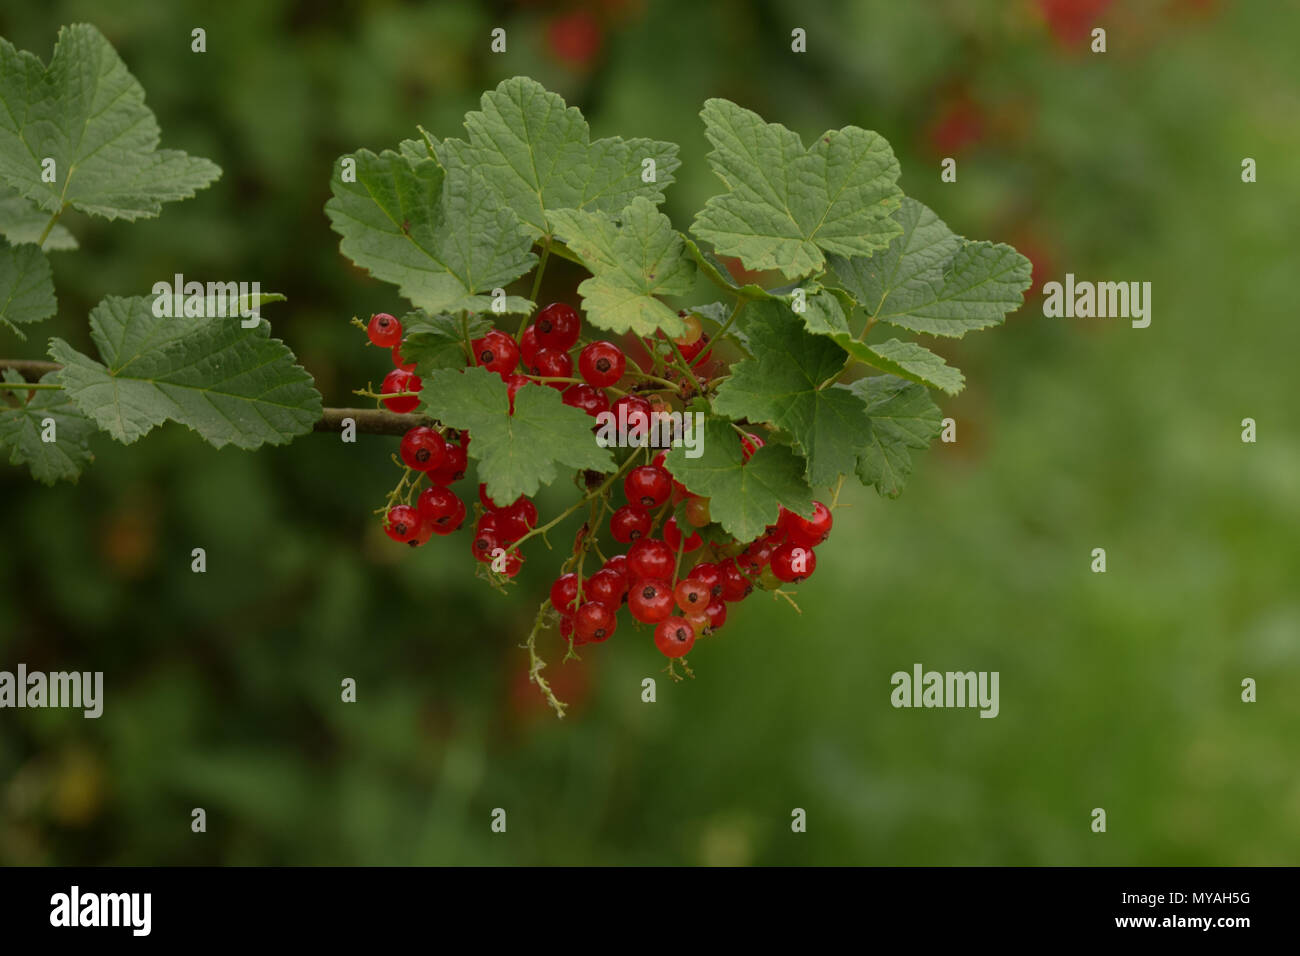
[(692, 595), (518, 519), (485, 542), (595, 622), (564, 593), (601, 364), (716, 612), (793, 563), (708, 573), (496, 352), (441, 509), (673, 538), (423, 449), (453, 468), (674, 637), (647, 486), (629, 523), (755, 557), (649, 600), (399, 381), (384, 330), (558, 326), (403, 524), (735, 586), (590, 399), (809, 532), (651, 558), (607, 587), (618, 564)]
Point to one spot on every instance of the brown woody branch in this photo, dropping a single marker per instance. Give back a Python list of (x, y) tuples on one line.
[(369, 421)]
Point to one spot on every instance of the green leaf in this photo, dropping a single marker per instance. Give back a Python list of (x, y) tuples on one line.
[(87, 114), (744, 496), (536, 156), (21, 220), (438, 341), (441, 239), (932, 280), (902, 418), (26, 286), (21, 429), (785, 385), (632, 259), (825, 315), (786, 205), (232, 385), (516, 453)]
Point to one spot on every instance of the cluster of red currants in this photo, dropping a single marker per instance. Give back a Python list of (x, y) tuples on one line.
[(649, 577)]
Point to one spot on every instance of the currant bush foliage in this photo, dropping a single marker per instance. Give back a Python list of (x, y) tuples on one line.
[(829, 219), (76, 134)]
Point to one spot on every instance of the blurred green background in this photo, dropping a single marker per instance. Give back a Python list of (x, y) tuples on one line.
[(1118, 690)]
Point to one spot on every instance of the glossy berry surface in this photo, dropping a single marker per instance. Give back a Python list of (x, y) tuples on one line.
[(441, 509), (453, 466), (607, 587), (384, 330), (601, 364), (552, 363), (590, 399), (650, 601), (558, 326), (735, 586), (400, 381), (564, 593), (496, 352), (692, 595), (673, 538), (647, 486), (793, 562), (423, 449), (651, 558), (809, 532), (402, 524), (674, 637), (594, 622), (629, 523)]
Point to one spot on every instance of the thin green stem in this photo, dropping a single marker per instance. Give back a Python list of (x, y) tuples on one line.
[(26, 386), (537, 284), (536, 664), (543, 528), (722, 331), (49, 226)]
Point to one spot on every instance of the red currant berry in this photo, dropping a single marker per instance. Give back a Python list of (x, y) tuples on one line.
[(696, 512), (453, 467), (716, 612), (607, 587), (496, 352), (629, 523), (649, 600), (692, 596), (618, 564), (602, 364), (518, 519), (403, 524), (793, 562), (594, 622), (528, 345), (673, 537), (423, 449), (566, 628), (486, 540), (400, 381), (750, 444), (564, 593), (755, 557), (809, 532), (631, 412), (651, 558), (399, 362), (647, 486), (709, 575), (384, 330), (587, 397), (514, 561), (441, 509), (552, 363), (674, 637), (735, 586), (558, 326)]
